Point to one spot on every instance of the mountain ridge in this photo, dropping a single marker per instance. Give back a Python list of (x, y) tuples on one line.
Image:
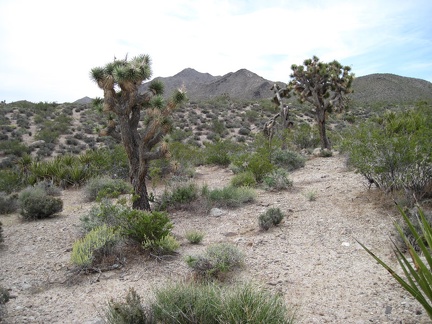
[(247, 85)]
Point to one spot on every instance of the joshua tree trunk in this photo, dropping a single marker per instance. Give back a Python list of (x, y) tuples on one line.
[(325, 143)]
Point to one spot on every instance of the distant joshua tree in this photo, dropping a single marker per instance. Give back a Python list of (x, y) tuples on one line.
[(324, 85), (124, 104)]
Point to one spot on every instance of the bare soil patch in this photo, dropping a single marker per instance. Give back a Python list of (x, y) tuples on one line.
[(312, 257)]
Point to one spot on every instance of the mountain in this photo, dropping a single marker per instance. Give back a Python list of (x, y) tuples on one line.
[(378, 88), (390, 88), (242, 84), (84, 100)]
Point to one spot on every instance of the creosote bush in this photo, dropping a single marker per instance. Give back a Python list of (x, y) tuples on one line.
[(217, 260), (272, 217), (35, 203)]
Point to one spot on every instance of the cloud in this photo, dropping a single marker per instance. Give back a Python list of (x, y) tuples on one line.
[(48, 49)]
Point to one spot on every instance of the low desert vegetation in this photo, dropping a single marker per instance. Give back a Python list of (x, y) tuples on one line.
[(216, 261), (37, 203), (201, 303), (272, 217)]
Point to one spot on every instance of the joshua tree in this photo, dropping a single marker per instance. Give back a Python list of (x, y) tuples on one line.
[(324, 85), (269, 126), (123, 103)]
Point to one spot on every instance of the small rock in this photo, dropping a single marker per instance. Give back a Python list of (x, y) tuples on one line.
[(345, 244), (388, 310), (216, 212)]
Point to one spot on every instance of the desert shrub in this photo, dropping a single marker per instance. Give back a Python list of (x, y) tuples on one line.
[(244, 179), (186, 153), (166, 245), (10, 180), (218, 259), (8, 204), (394, 152), (221, 152), (288, 160), (194, 237), (272, 217), (144, 227), (211, 304), (94, 245), (179, 195), (49, 188), (105, 187), (311, 195), (306, 137), (259, 165), (277, 180), (14, 147), (244, 131), (230, 196), (35, 203), (129, 311), (140, 226)]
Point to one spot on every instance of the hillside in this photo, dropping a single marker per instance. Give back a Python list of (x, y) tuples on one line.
[(381, 88)]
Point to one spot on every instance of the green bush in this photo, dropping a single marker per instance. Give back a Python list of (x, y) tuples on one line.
[(179, 195), (9, 181), (14, 147), (287, 160), (260, 166), (140, 226), (35, 203), (218, 259), (272, 217), (105, 187), (203, 303), (194, 237), (230, 196), (306, 137), (394, 152), (244, 179), (166, 245), (277, 180), (221, 152), (143, 226), (8, 204), (94, 245)]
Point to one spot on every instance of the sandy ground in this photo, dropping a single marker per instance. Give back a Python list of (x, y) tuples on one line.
[(312, 258)]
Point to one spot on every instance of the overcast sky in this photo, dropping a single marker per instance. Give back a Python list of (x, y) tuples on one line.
[(47, 47)]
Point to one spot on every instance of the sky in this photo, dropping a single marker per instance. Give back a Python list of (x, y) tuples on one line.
[(48, 47)]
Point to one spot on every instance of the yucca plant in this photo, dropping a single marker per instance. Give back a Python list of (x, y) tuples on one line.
[(417, 269)]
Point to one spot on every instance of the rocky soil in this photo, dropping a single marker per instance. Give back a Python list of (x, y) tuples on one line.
[(312, 258)]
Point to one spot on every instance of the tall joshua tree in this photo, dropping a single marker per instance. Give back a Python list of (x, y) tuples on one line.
[(324, 85), (124, 104)]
